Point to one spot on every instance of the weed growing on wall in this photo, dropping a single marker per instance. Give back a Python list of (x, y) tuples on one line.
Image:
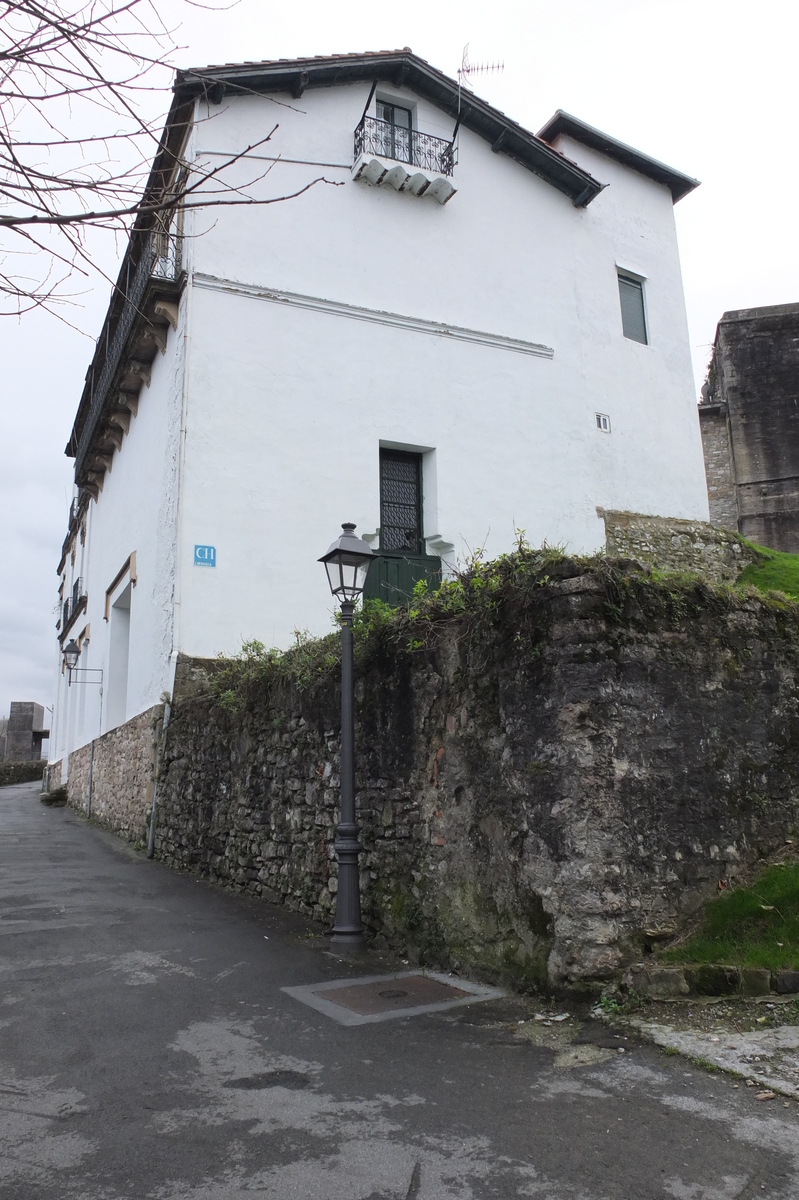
[(256, 670), (501, 596), (476, 597)]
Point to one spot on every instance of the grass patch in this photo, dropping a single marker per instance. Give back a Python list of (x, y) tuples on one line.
[(750, 927), (776, 572)]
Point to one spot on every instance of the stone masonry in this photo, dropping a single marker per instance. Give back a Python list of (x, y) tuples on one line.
[(122, 775), (750, 412), (20, 772), (718, 465), (675, 545), (546, 802)]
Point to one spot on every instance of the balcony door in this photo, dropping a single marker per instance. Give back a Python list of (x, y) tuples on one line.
[(395, 131)]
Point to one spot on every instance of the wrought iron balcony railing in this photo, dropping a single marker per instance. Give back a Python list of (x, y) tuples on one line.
[(159, 259), (405, 145), (70, 606)]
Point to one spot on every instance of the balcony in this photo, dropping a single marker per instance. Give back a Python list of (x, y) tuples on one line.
[(404, 159), (72, 607), (135, 329)]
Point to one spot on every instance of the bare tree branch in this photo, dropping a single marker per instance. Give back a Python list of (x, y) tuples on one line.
[(81, 85)]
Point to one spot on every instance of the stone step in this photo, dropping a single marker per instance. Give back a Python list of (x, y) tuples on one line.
[(708, 979)]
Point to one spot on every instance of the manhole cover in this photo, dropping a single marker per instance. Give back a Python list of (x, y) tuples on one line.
[(369, 998), (376, 998)]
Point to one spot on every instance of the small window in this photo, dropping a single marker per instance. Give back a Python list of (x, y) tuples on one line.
[(603, 422), (400, 501), (633, 320), (394, 131)]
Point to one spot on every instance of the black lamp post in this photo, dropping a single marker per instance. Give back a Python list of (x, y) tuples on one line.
[(347, 564)]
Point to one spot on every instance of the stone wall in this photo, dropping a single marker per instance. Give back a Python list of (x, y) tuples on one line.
[(122, 771), (754, 378), (675, 545), (546, 797), (718, 465), (52, 775), (21, 772)]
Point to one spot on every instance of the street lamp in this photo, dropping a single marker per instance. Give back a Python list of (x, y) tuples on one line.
[(347, 564), (71, 656), (71, 653)]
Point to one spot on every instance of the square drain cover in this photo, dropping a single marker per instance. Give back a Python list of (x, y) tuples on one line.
[(381, 997)]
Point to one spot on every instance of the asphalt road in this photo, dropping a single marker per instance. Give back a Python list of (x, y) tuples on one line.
[(146, 1050)]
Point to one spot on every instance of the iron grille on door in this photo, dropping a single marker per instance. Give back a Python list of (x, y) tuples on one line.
[(401, 501)]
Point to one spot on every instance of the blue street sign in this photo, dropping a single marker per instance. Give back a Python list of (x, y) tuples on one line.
[(205, 556)]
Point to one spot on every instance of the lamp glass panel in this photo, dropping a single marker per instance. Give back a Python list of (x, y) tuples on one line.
[(349, 574), (354, 568), (363, 571), (334, 576)]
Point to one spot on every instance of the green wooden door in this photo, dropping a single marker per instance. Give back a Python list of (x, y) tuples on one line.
[(392, 577)]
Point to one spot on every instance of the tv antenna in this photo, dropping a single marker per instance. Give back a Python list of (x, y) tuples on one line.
[(467, 70)]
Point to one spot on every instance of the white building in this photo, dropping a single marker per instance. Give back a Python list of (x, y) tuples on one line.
[(503, 309)]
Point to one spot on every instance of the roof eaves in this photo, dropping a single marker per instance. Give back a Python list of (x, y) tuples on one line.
[(164, 164), (399, 66), (564, 123)]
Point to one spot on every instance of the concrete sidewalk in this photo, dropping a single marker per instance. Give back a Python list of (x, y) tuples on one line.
[(148, 1051)]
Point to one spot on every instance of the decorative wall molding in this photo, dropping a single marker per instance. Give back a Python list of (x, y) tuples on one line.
[(128, 568), (338, 308)]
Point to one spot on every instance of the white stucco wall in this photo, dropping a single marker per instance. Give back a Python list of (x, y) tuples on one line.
[(306, 342), (289, 400), (136, 512)]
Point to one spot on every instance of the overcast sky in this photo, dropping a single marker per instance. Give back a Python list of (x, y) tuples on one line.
[(707, 86)]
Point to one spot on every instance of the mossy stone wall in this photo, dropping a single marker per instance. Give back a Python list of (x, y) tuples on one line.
[(547, 795)]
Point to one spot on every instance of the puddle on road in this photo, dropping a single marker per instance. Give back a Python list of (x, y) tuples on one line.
[(270, 1079)]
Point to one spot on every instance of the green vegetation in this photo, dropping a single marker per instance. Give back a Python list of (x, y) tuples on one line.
[(475, 598), (749, 927), (776, 572), (610, 1004), (501, 596)]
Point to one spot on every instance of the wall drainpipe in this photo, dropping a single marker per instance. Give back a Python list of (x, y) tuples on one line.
[(91, 768), (159, 753)]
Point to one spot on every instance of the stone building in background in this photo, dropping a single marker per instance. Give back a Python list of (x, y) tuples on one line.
[(25, 732), (749, 416)]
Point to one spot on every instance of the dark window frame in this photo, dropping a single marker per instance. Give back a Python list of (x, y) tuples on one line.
[(398, 138), (394, 538), (632, 303)]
